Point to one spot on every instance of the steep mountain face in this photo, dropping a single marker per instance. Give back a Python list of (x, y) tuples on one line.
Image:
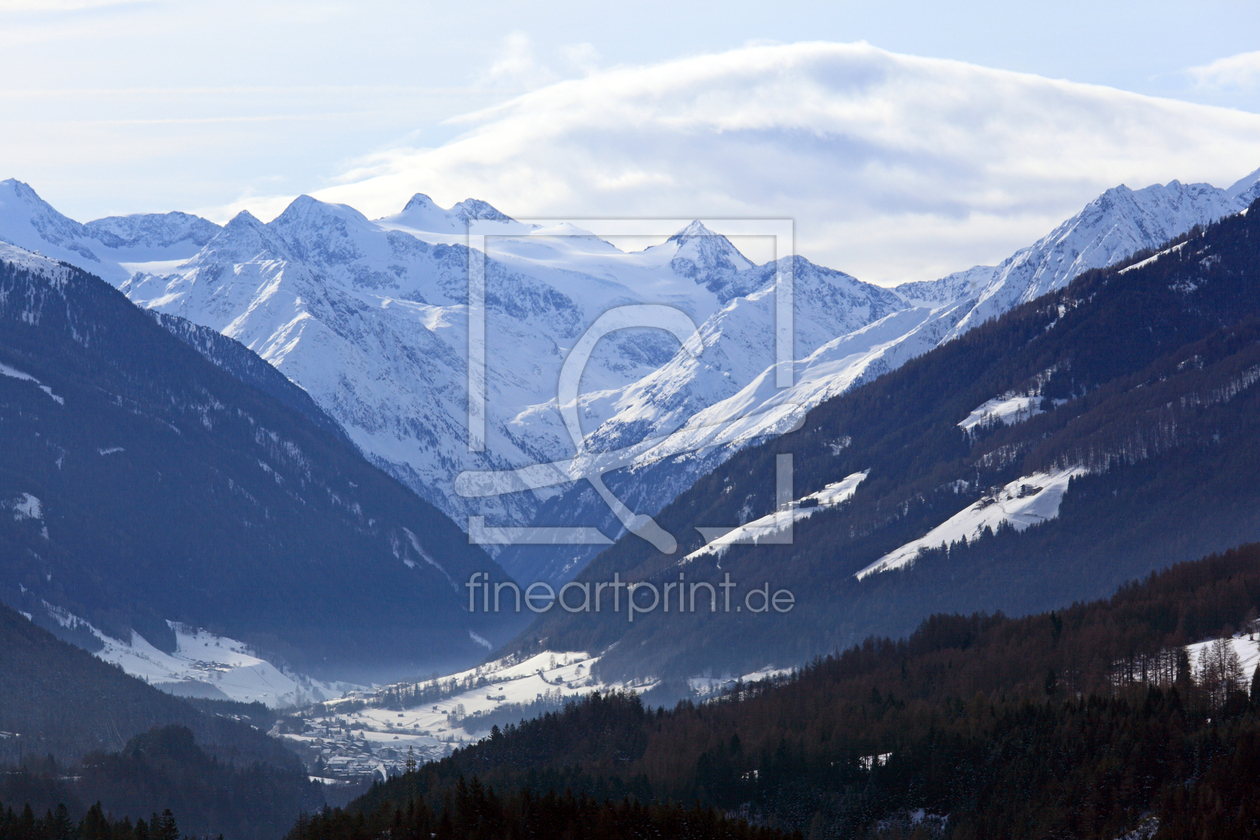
[(141, 484), (370, 319), (152, 231), (1084, 439), (870, 337), (1118, 223), (245, 365)]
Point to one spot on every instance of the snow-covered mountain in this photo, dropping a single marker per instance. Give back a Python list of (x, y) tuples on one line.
[(1098, 433), (112, 248), (1115, 225), (371, 319)]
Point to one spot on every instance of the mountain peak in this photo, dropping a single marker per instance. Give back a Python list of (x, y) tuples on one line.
[(420, 201), (243, 220), (475, 208), (243, 239), (422, 213), (24, 193), (305, 207), (706, 257), (1245, 189), (692, 231), (31, 223), (22, 190)]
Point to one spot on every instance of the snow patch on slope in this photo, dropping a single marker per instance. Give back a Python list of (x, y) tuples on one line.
[(771, 525), (205, 665), (1008, 410), (14, 373), (1245, 645), (1025, 501), (26, 506), (415, 544), (34, 262), (712, 686)]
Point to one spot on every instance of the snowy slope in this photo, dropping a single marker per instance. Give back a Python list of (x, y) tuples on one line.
[(1005, 410), (205, 665), (370, 318), (1118, 223), (1026, 501), (111, 248), (775, 524), (1108, 230)]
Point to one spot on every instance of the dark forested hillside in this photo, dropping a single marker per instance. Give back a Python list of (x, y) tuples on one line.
[(162, 772), (244, 364), (59, 700), (75, 731), (141, 484), (1142, 378), (1086, 722)]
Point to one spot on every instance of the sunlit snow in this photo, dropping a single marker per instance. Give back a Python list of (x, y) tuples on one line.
[(205, 665), (1008, 410), (1025, 501), (775, 523), (433, 728)]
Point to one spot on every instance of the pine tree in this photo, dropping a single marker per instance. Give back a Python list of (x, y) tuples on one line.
[(163, 827), (59, 825)]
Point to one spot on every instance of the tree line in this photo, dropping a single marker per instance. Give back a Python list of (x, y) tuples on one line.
[(1079, 722)]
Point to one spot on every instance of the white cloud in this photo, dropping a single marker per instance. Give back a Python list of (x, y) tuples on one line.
[(894, 167), (517, 66), (1236, 71), (581, 57)]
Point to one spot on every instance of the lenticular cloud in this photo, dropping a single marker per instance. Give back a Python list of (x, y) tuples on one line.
[(895, 167)]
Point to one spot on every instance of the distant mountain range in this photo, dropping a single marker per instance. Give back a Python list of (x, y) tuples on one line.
[(1081, 440), (369, 318)]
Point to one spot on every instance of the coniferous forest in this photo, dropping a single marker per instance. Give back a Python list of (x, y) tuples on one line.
[(1018, 525), (1086, 722)]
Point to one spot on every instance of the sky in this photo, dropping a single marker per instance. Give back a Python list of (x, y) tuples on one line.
[(906, 140)]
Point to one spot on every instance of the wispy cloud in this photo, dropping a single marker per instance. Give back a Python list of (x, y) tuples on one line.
[(517, 66), (63, 5), (1235, 71), (894, 167)]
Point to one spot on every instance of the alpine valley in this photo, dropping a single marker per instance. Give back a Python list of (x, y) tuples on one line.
[(973, 522), (150, 492), (370, 319)]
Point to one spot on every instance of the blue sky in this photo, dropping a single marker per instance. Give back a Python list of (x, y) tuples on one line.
[(895, 168)]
